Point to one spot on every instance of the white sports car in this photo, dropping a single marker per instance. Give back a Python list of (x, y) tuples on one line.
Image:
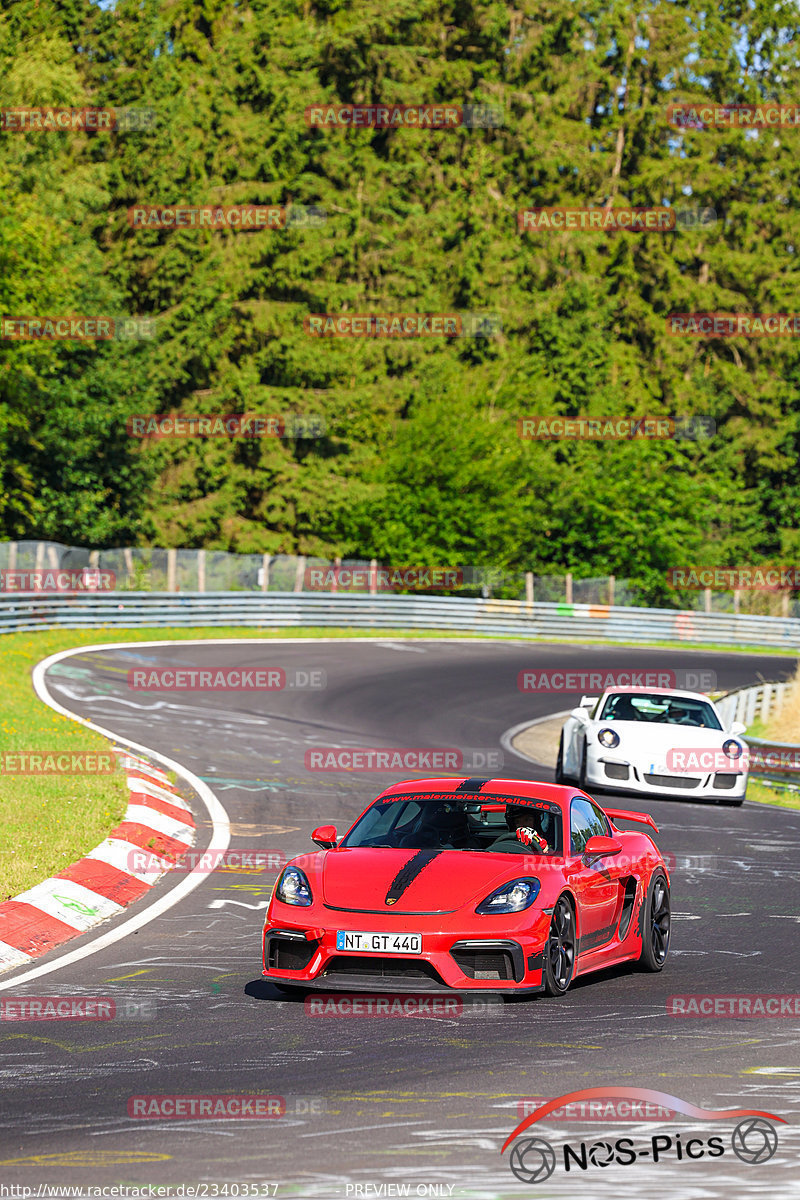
[(653, 742)]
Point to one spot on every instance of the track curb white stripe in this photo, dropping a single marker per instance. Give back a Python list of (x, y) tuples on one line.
[(220, 835)]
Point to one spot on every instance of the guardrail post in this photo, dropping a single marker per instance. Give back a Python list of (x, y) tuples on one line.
[(39, 556), (766, 699), (52, 557), (785, 604), (12, 556), (172, 562), (568, 586), (706, 599), (337, 562), (529, 588), (265, 561), (736, 595), (201, 570), (750, 706), (298, 575), (94, 558), (373, 577), (612, 584), (127, 556)]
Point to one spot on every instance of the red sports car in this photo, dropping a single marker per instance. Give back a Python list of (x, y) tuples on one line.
[(470, 884)]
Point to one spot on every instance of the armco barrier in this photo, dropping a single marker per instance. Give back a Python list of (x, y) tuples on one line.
[(510, 618), (748, 703), (770, 760)]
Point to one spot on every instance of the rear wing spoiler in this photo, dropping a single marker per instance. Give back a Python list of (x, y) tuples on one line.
[(623, 814)]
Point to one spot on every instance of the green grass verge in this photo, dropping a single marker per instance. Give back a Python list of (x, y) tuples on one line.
[(764, 793), (50, 821)]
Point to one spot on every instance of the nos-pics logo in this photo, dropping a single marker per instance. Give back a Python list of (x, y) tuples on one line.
[(534, 1159)]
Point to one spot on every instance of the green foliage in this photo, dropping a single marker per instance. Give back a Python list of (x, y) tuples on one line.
[(421, 462)]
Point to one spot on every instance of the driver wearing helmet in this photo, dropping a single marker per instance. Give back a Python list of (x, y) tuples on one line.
[(527, 830)]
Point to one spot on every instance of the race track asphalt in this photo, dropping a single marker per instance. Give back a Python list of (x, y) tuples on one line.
[(417, 1102)]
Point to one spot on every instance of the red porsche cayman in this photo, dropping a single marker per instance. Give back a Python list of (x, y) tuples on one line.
[(470, 884)]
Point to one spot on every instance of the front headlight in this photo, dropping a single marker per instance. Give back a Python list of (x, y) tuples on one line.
[(511, 897), (608, 738), (294, 888), (731, 749)]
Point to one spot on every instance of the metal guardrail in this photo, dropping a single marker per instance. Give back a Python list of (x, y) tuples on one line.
[(774, 761), (510, 618), (748, 703)]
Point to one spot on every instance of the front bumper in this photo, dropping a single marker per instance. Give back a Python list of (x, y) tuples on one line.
[(476, 959), (609, 770)]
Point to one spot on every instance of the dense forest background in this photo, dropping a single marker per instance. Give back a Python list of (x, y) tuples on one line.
[(421, 462)]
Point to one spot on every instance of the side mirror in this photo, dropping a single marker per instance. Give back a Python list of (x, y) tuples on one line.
[(601, 847), (580, 714), (325, 836), (737, 728)]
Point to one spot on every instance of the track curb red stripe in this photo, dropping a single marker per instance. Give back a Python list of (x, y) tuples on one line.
[(32, 932)]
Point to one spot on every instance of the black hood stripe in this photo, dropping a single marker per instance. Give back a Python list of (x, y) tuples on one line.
[(472, 785), (409, 872)]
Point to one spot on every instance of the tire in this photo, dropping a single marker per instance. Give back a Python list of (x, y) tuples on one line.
[(560, 949), (560, 776), (656, 924)]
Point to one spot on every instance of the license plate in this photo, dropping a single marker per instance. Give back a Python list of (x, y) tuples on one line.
[(379, 943), (661, 769)]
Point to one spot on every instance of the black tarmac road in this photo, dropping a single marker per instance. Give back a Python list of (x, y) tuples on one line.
[(398, 1106)]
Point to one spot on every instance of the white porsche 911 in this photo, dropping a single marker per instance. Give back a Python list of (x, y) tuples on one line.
[(653, 742)]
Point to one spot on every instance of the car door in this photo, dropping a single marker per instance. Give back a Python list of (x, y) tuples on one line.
[(596, 883)]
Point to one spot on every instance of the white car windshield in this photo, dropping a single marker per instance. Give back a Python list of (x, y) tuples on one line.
[(660, 710)]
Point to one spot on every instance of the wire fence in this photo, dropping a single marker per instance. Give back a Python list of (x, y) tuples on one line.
[(31, 566)]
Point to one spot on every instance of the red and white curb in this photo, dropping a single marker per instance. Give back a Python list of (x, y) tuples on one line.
[(101, 885)]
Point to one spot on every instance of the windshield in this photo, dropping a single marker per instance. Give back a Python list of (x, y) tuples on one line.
[(442, 822), (660, 710)]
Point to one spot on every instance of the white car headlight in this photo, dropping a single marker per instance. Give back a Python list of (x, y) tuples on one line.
[(608, 738)]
